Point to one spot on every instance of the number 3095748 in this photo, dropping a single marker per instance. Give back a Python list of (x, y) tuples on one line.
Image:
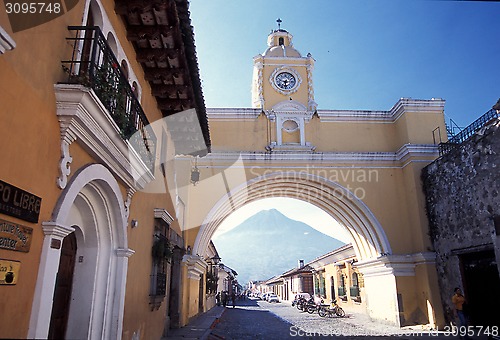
[(32, 7), (471, 330)]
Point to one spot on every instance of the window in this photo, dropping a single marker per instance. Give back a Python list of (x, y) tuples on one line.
[(281, 41), (322, 290), (341, 289), (161, 253), (354, 290)]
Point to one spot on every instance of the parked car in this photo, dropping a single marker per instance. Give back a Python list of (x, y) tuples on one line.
[(264, 296), (272, 298)]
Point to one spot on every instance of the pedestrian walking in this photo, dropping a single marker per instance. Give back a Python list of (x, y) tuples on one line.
[(224, 298), (217, 298)]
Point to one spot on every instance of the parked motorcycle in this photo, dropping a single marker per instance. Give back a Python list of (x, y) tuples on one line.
[(332, 310), (313, 305)]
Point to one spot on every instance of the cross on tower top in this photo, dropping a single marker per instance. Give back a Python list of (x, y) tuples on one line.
[(279, 23)]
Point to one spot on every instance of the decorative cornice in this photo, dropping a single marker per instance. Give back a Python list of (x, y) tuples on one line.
[(231, 114), (164, 215), (56, 230), (279, 60), (404, 105), (397, 265), (195, 265), (400, 157), (6, 42), (82, 117)]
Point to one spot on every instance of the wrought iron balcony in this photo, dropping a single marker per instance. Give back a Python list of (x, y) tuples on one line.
[(94, 65), (466, 133)]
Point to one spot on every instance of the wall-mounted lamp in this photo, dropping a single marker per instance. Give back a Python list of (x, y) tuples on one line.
[(195, 173), (134, 223)]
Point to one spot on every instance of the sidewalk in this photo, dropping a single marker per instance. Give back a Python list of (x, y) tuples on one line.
[(200, 327)]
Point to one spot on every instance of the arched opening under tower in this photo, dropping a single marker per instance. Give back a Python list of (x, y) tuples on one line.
[(368, 237), (270, 236)]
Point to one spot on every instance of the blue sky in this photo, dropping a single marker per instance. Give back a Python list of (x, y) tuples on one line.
[(369, 53)]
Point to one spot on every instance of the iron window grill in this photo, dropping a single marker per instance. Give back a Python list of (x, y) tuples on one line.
[(93, 64)]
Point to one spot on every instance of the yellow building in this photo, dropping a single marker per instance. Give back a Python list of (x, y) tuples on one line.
[(361, 167), (90, 223)]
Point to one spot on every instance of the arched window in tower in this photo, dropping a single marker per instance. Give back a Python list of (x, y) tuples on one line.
[(281, 41)]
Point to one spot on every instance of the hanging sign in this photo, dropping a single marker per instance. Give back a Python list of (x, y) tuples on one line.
[(9, 272), (19, 203), (15, 237)]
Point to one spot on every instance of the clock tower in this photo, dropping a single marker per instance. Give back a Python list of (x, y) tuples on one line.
[(282, 87)]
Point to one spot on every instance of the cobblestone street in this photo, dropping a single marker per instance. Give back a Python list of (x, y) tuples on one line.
[(256, 319)]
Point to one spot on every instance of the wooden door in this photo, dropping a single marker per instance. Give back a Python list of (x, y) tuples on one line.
[(62, 291)]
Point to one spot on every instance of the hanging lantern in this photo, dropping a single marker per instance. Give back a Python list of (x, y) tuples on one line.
[(195, 175)]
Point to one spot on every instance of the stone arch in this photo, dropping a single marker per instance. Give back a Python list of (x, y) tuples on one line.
[(92, 206), (368, 237)]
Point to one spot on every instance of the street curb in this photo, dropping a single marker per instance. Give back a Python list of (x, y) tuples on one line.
[(213, 325)]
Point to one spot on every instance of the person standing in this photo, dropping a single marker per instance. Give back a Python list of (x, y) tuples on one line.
[(224, 298), (458, 300), (217, 298), (233, 297)]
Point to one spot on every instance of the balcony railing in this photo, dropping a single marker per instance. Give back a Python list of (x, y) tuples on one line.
[(93, 64), (466, 133)]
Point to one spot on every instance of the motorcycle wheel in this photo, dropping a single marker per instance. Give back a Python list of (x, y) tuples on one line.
[(322, 312), (299, 306), (340, 312), (311, 309)]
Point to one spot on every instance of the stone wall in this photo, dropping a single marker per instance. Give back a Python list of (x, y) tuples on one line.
[(462, 199)]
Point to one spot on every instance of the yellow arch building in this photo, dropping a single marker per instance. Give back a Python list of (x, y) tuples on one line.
[(361, 167)]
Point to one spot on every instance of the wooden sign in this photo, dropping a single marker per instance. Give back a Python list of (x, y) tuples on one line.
[(15, 237), (19, 203), (9, 272)]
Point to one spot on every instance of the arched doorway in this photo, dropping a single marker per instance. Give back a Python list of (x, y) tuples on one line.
[(92, 204)]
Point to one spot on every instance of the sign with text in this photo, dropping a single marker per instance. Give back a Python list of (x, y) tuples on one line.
[(9, 272), (19, 203), (15, 236)]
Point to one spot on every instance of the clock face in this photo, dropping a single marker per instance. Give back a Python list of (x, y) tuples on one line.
[(285, 81)]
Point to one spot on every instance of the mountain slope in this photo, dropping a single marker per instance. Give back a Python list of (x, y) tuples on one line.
[(269, 243)]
